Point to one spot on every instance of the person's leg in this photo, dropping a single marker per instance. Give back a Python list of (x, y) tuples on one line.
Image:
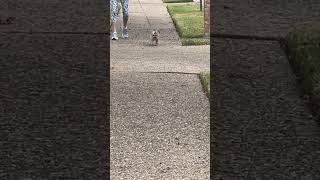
[(114, 18), (125, 12)]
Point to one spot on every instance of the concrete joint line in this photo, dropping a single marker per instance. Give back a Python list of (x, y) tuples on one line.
[(168, 72), (248, 37)]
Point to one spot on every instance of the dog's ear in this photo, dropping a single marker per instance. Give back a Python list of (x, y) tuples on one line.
[(159, 31)]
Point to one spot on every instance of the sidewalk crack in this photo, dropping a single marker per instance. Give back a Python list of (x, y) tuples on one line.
[(169, 72), (248, 37)]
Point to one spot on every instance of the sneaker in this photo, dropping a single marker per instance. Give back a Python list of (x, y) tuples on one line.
[(125, 34), (114, 36)]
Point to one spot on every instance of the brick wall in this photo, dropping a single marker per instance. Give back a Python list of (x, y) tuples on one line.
[(207, 17)]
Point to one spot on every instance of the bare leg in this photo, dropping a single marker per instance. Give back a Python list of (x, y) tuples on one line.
[(125, 21), (113, 27)]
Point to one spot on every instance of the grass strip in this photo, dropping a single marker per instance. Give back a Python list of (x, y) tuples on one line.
[(189, 23), (303, 50), (205, 81)]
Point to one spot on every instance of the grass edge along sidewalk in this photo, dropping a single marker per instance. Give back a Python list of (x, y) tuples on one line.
[(189, 22), (303, 50), (205, 81)]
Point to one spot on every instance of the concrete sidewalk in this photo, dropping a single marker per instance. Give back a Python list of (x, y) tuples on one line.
[(159, 112), (263, 129), (146, 16), (54, 90)]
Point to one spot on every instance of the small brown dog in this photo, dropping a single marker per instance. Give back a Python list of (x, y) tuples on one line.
[(155, 37)]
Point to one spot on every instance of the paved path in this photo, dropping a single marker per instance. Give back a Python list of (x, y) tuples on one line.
[(53, 91), (262, 128), (159, 113), (264, 18)]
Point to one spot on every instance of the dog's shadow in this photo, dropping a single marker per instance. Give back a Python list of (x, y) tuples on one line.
[(149, 44)]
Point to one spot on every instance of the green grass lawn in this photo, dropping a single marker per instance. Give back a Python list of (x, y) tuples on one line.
[(188, 20), (303, 49), (205, 80)]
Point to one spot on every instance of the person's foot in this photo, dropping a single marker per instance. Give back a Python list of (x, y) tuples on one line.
[(114, 36), (125, 34)]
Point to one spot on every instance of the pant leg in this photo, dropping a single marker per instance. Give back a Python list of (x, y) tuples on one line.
[(114, 10), (125, 8)]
